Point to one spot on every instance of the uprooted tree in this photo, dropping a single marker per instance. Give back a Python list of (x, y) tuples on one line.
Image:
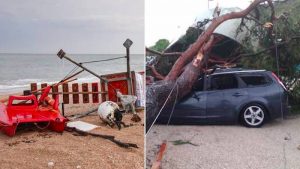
[(190, 65)]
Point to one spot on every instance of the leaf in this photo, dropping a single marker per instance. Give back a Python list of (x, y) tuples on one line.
[(181, 142)]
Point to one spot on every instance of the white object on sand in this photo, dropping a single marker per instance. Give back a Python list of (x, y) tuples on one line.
[(127, 100), (106, 111), (140, 90), (82, 126), (50, 164)]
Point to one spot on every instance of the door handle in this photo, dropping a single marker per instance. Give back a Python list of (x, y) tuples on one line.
[(237, 94)]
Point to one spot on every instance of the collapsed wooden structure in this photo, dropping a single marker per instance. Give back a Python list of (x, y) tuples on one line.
[(93, 92)]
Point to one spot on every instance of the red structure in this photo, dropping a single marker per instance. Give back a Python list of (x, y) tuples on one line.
[(26, 109), (117, 81)]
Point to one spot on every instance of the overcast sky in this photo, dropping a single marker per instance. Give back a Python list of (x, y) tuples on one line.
[(170, 18), (77, 26)]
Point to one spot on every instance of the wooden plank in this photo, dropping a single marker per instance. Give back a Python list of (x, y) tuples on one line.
[(85, 97), (117, 79), (43, 85), (54, 90), (103, 93), (103, 96), (157, 163), (133, 79), (66, 96), (106, 89), (33, 86), (95, 96), (75, 88)]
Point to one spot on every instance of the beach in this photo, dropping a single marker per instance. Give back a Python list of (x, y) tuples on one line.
[(19, 70), (33, 148)]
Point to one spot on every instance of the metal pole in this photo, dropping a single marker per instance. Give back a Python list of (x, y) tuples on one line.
[(128, 71), (63, 108), (61, 54), (276, 51), (277, 60), (208, 4)]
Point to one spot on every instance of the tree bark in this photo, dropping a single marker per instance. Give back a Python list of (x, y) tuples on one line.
[(158, 92)]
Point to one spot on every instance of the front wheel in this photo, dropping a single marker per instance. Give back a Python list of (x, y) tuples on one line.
[(253, 115)]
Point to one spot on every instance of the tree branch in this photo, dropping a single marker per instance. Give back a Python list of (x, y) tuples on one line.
[(188, 55)]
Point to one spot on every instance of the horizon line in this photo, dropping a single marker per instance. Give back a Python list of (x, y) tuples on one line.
[(71, 53)]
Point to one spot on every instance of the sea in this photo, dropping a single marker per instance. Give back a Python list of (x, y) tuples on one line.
[(17, 71)]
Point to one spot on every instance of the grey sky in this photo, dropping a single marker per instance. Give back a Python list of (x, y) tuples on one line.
[(77, 26)]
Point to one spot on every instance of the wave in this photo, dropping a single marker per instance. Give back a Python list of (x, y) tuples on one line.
[(24, 84)]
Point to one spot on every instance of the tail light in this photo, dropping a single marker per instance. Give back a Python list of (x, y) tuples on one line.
[(279, 81)]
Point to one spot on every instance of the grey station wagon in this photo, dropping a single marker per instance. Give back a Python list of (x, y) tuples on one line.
[(250, 97)]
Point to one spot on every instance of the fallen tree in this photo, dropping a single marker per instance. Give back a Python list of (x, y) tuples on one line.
[(189, 66)]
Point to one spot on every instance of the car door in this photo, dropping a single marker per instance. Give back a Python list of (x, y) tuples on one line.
[(214, 98), (223, 97), (233, 98), (192, 107)]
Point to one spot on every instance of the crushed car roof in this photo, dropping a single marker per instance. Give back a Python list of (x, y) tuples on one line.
[(232, 70)]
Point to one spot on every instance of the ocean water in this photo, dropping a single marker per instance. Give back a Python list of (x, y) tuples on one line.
[(17, 71)]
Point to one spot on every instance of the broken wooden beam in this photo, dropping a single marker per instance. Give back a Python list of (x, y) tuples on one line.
[(107, 137), (159, 156)]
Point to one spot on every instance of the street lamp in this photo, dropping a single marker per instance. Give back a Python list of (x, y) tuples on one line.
[(127, 45)]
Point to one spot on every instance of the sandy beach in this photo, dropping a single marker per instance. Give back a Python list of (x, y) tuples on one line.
[(32, 148)]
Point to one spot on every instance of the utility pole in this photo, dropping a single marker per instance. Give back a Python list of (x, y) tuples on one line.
[(208, 4)]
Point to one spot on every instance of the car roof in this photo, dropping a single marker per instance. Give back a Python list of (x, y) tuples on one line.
[(235, 70)]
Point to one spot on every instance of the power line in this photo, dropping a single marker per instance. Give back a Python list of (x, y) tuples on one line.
[(103, 60)]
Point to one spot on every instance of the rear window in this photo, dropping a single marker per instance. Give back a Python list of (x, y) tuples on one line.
[(255, 80)]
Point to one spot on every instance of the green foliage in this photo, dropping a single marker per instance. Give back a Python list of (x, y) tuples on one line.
[(190, 37), (285, 29), (160, 45), (181, 142)]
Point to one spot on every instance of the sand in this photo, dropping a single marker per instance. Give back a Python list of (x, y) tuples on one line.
[(31, 148)]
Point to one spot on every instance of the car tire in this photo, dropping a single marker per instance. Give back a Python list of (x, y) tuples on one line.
[(253, 115)]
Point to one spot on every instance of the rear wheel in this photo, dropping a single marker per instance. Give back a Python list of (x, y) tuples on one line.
[(253, 115)]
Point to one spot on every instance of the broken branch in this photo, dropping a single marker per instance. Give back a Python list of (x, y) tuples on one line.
[(188, 55), (107, 137)]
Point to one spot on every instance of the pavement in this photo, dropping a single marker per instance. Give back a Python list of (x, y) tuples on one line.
[(276, 145)]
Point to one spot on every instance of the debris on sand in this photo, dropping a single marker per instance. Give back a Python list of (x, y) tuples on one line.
[(157, 163), (51, 164), (108, 137), (24, 140)]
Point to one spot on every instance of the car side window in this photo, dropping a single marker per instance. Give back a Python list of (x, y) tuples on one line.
[(254, 80), (222, 82)]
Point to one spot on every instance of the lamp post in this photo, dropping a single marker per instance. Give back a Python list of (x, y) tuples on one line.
[(127, 45)]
